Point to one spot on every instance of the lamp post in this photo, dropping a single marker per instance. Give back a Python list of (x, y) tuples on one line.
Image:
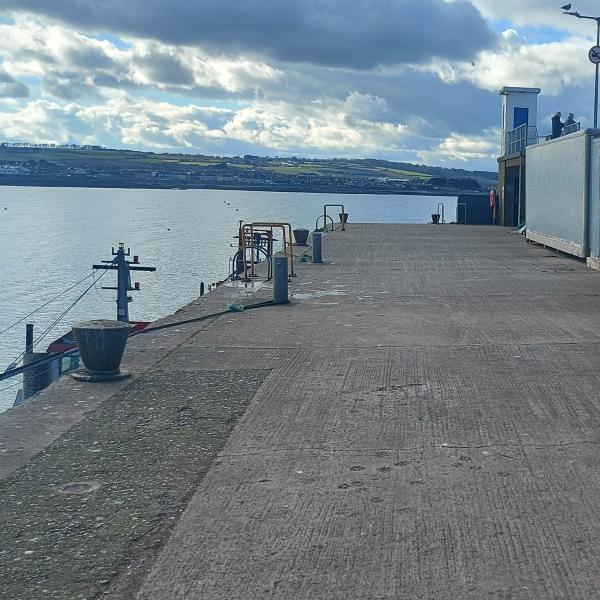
[(568, 11)]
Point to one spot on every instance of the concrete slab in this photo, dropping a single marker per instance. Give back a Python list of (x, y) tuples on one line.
[(27, 429), (422, 425), (433, 524), (434, 437), (100, 500)]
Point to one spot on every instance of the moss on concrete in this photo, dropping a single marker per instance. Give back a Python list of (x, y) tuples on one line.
[(99, 501)]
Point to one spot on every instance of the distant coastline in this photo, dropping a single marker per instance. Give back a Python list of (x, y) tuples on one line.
[(8, 181), (94, 167)]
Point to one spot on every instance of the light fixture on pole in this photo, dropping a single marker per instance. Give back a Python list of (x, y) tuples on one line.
[(594, 52)]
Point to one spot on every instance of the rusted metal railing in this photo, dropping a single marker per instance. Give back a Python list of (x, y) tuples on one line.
[(237, 264), (247, 233), (342, 217), (324, 222)]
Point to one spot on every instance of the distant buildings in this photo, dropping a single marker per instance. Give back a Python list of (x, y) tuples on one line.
[(72, 165), (12, 169), (49, 146)]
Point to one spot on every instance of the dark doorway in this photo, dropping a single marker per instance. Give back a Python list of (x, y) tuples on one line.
[(516, 199), (512, 197), (521, 116)]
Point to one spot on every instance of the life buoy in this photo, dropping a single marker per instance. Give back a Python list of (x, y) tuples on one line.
[(492, 198)]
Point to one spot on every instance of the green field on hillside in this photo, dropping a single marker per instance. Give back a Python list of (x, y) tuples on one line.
[(334, 168), (341, 170)]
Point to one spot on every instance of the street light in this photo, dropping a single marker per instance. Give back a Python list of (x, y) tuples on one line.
[(594, 52)]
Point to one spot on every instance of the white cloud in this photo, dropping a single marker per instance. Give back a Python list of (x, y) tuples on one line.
[(552, 66), (540, 13), (71, 65), (147, 94), (141, 123), (334, 126), (464, 148), (45, 122), (340, 127), (10, 88)]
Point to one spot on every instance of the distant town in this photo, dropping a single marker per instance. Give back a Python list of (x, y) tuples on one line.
[(94, 166)]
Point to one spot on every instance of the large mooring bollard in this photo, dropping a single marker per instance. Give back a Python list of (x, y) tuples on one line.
[(317, 247), (301, 236), (280, 280), (101, 345)]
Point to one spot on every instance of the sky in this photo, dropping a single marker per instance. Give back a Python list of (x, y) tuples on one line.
[(404, 80)]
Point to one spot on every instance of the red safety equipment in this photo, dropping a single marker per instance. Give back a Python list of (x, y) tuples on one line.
[(492, 198)]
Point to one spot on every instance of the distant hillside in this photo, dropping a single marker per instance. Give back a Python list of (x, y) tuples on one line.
[(100, 167), (491, 176), (367, 167)]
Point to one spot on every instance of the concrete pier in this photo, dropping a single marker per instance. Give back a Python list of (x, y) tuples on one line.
[(419, 423)]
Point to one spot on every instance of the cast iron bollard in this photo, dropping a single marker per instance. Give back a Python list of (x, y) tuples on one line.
[(280, 280), (101, 345), (301, 236), (317, 247)]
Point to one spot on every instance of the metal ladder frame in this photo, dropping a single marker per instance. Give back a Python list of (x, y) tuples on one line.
[(286, 229), (325, 215)]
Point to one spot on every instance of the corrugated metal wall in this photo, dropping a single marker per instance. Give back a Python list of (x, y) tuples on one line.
[(557, 189)]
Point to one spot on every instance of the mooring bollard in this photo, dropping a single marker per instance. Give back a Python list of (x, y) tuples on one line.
[(301, 236), (101, 345), (317, 247), (280, 280)]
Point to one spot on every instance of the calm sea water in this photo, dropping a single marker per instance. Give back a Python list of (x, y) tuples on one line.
[(50, 237)]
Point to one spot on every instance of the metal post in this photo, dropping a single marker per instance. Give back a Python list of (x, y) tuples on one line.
[(597, 66), (123, 267), (442, 213), (574, 13), (39, 378), (317, 247), (34, 379), (29, 338), (202, 288), (520, 188), (280, 280), (123, 285)]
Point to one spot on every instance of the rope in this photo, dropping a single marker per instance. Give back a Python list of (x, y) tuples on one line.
[(97, 290), (18, 383), (68, 310), (9, 372), (46, 304), (203, 318), (9, 387), (59, 319)]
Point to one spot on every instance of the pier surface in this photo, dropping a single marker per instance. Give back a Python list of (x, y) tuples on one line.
[(419, 423)]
